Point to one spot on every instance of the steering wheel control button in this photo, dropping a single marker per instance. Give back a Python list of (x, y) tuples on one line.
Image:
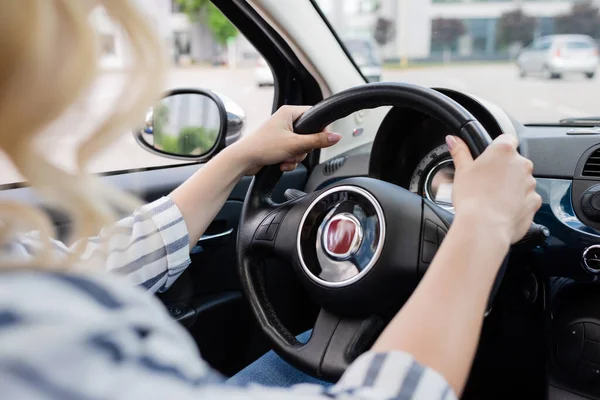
[(270, 235), (429, 250), (430, 234), (261, 233), (267, 230), (591, 259), (433, 234), (279, 217), (267, 221), (341, 236), (441, 234), (591, 351), (592, 331)]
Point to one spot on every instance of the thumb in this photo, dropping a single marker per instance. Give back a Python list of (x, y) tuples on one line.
[(461, 155), (307, 143)]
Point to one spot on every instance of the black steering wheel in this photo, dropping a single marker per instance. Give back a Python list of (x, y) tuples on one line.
[(358, 246)]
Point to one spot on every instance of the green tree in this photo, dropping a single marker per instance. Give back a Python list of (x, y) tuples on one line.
[(196, 140), (206, 12), (583, 19), (515, 26)]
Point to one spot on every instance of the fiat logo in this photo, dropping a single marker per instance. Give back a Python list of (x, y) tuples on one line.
[(342, 236)]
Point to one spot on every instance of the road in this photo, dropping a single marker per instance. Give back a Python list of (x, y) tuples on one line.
[(530, 100)]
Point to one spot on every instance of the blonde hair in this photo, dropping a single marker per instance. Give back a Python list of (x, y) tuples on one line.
[(48, 62)]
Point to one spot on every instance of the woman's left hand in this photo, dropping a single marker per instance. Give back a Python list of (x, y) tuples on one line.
[(276, 143)]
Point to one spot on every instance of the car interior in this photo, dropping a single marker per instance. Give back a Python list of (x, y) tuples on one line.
[(258, 277)]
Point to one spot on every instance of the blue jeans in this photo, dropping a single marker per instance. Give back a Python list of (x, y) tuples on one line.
[(272, 370)]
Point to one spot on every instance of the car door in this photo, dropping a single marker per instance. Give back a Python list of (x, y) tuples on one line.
[(527, 57), (542, 55)]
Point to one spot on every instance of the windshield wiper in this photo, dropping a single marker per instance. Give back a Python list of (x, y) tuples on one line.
[(587, 121)]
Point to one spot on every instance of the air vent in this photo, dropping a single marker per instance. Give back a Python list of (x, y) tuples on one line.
[(334, 164), (592, 165)]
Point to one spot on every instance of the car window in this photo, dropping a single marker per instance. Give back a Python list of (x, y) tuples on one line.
[(460, 44), (204, 49), (579, 45), (544, 45)]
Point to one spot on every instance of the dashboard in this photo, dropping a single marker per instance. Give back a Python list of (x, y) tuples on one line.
[(409, 151)]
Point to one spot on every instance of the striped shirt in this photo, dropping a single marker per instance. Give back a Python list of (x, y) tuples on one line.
[(88, 336)]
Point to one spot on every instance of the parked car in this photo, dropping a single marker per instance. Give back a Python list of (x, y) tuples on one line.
[(264, 76), (554, 55), (364, 52), (362, 49)]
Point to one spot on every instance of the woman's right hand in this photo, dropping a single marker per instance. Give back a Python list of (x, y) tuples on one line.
[(497, 189)]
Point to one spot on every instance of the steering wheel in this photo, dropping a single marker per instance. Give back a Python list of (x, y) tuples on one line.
[(358, 246)]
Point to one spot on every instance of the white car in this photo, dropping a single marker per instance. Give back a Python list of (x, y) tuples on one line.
[(264, 76), (363, 51), (552, 56)]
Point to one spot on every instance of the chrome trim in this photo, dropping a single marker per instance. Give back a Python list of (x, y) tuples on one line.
[(356, 240), (377, 252), (206, 238), (584, 259), (426, 184)]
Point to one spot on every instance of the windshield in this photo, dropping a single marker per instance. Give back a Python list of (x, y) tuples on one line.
[(537, 63)]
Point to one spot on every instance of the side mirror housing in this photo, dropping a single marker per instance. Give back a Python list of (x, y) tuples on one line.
[(191, 125)]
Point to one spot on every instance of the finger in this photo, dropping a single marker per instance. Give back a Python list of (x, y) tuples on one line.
[(321, 140), (300, 158), (528, 165), (295, 160), (293, 112), (459, 151), (532, 184), (533, 202), (288, 166), (506, 142)]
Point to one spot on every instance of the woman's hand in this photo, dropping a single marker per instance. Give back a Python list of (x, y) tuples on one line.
[(276, 143), (497, 189)]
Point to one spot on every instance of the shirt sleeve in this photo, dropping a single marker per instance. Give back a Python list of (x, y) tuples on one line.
[(150, 248), (85, 338)]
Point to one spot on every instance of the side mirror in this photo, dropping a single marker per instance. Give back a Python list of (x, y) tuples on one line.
[(236, 119), (190, 124)]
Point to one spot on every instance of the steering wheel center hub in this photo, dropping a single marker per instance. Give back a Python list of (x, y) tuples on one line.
[(341, 236)]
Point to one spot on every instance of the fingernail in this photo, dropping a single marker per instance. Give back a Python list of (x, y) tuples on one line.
[(285, 167), (451, 142), (333, 138)]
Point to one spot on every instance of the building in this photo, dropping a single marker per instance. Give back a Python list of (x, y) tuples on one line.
[(193, 42), (112, 42), (412, 19), (184, 40)]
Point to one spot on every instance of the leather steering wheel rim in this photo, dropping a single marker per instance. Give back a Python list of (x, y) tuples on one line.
[(258, 203)]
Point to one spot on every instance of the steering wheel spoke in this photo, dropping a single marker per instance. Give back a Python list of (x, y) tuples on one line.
[(336, 342), (265, 235)]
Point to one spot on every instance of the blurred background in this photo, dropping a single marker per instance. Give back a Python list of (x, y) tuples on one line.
[(489, 48)]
